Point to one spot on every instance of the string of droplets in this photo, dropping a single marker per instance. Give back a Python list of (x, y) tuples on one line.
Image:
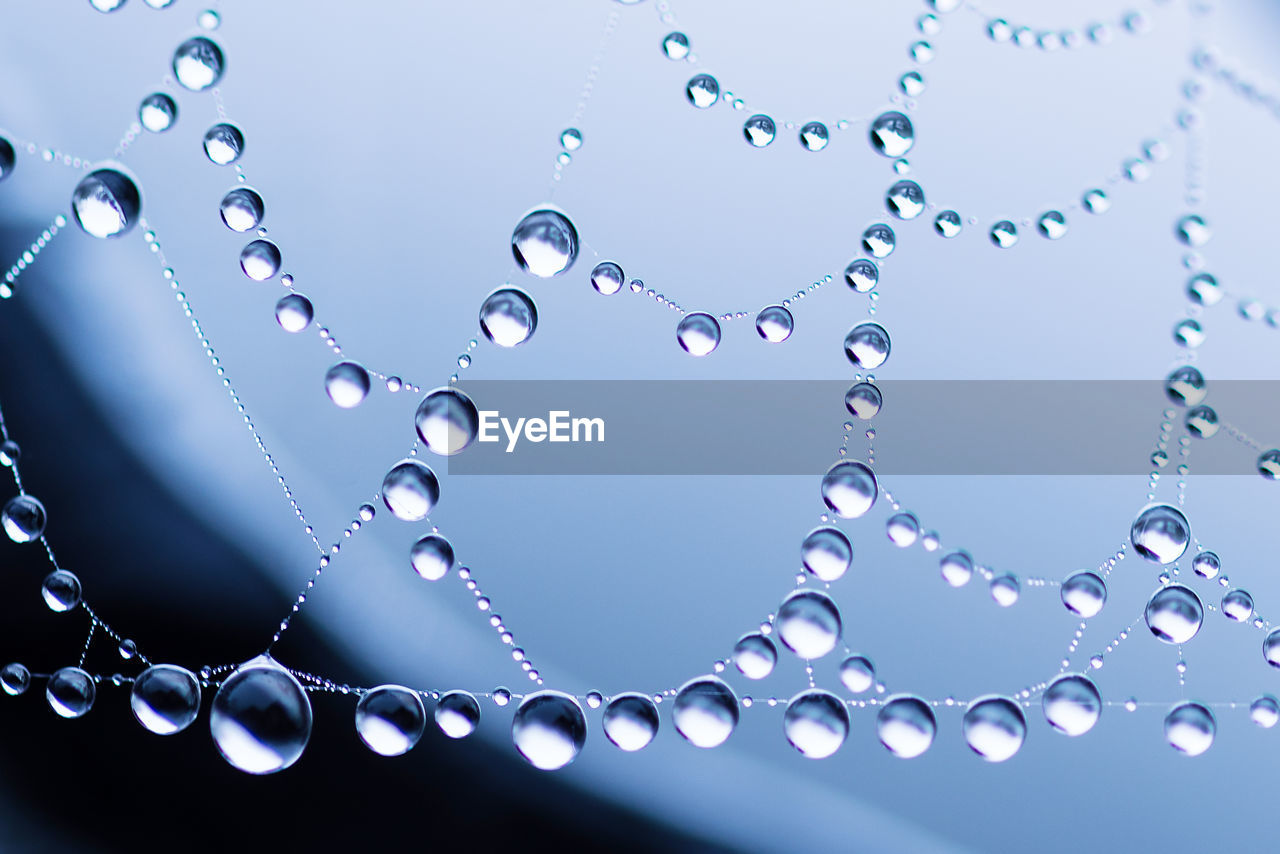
[(995, 711)]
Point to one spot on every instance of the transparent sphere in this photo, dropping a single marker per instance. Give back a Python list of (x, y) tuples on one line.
[(1084, 593), (508, 317), (675, 45), (157, 112), (549, 729), (994, 728), (1271, 648), (906, 726), (15, 678), (1005, 589), (1072, 704), (261, 717), (23, 518), (347, 384), (862, 275), (8, 158), (260, 260), (294, 312), (867, 346), (447, 421), (759, 130), (1206, 565), (198, 63), (1269, 464), (1052, 225), (702, 91), (1202, 422), (891, 134), (911, 83), (457, 714), (545, 242), (223, 144), (1095, 202), (61, 591), (1160, 533), (808, 623), (70, 692), (390, 719), (857, 674), (1237, 605), (1188, 333), (1004, 234), (432, 557), (879, 240), (698, 333), (755, 656), (816, 723), (947, 224), (905, 200), (863, 401), (849, 489), (705, 711), (410, 490), (1203, 289), (630, 721), (1265, 711), (814, 136), (571, 139), (242, 209), (774, 324), (607, 278), (10, 453), (1189, 728), (165, 698), (1185, 386), (106, 203), (1192, 230), (902, 529), (956, 568), (826, 553), (1174, 614)]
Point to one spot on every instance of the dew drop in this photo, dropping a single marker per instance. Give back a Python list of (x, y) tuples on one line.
[(891, 133), (549, 729), (15, 678), (347, 384), (905, 200), (457, 714), (755, 656), (70, 692), (705, 711), (157, 112), (857, 674), (759, 130), (630, 721), (863, 401), (902, 529), (814, 136), (1084, 593), (260, 260), (1174, 614), (1096, 202), (61, 591), (1206, 565), (242, 209), (1160, 533), (545, 242), (294, 312), (702, 91), (698, 333), (432, 557), (1189, 728), (849, 489), (816, 723), (878, 240), (867, 345), (1265, 711), (23, 518), (1004, 234), (223, 144), (675, 45), (1072, 704), (826, 553), (410, 490), (906, 726), (1052, 225), (862, 275), (198, 63), (1192, 230), (956, 568), (607, 278), (1237, 605), (261, 717), (947, 224), (106, 203), (165, 698), (808, 624), (390, 719), (774, 324), (994, 728)]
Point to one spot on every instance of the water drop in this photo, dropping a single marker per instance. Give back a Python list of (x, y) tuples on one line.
[(911, 84), (198, 63), (1004, 234), (1185, 386), (902, 529), (808, 624), (857, 674), (814, 136), (223, 144), (549, 729), (457, 714), (1052, 224), (1174, 614), (1188, 333), (1096, 202), (705, 711), (703, 91), (15, 678), (61, 591), (157, 112), (878, 240), (675, 45), (1189, 728), (1271, 647), (826, 553), (630, 721), (607, 278), (1005, 589), (947, 224), (447, 421), (70, 692), (816, 723), (906, 726), (390, 719), (1084, 593), (1269, 464), (956, 568), (571, 139), (165, 698), (905, 200), (261, 717), (862, 275), (10, 453), (863, 401), (1160, 533), (759, 130), (755, 656), (106, 203), (1072, 704), (867, 345), (994, 728), (1206, 565), (23, 518), (432, 557), (347, 384), (1192, 230), (1237, 605), (260, 260), (545, 242), (1265, 711), (294, 312), (1203, 289), (410, 490), (891, 134), (775, 324), (698, 333), (242, 209), (849, 489)]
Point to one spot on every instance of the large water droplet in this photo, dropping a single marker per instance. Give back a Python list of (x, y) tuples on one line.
[(549, 729), (906, 726), (1174, 614), (457, 714), (702, 91), (857, 674), (862, 275), (347, 384), (867, 345), (223, 144), (1269, 464), (891, 134), (808, 624), (956, 568), (410, 490), (8, 158), (1084, 593), (1052, 225), (198, 63), (1265, 711), (23, 518), (903, 529), (1189, 728), (849, 489), (165, 698), (508, 317), (826, 553), (774, 324), (607, 278), (947, 224), (1192, 230), (816, 723), (814, 136), (242, 209), (1203, 288), (294, 312), (705, 711), (1160, 533), (260, 260), (675, 45), (698, 333), (545, 242), (1188, 333), (1072, 704), (432, 557), (261, 717), (863, 401), (1185, 386), (1004, 234), (1206, 565), (70, 692), (15, 678), (447, 421), (157, 112), (106, 203), (630, 721), (61, 591), (759, 130), (755, 656), (879, 240), (905, 200), (994, 728), (390, 719)]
